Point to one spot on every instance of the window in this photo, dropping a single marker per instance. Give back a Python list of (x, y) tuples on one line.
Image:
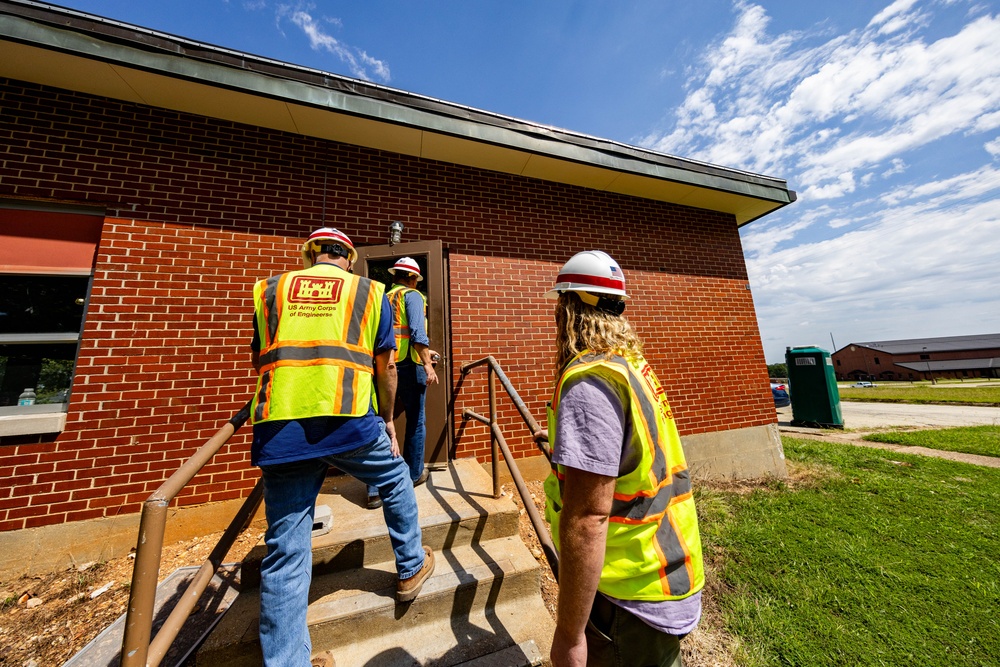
[(46, 262), (876, 361), (925, 356)]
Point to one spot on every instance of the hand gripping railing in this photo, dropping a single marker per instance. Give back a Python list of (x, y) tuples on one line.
[(137, 649), (497, 441)]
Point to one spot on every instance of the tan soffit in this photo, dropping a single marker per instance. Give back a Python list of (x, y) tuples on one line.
[(29, 63)]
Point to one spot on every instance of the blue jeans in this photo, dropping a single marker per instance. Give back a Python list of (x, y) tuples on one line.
[(411, 388), (290, 491)]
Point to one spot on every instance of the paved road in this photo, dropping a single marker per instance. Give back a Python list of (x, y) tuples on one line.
[(881, 415)]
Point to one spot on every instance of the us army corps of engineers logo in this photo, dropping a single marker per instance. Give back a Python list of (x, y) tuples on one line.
[(313, 296)]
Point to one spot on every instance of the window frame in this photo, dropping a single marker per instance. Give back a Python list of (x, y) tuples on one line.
[(48, 417)]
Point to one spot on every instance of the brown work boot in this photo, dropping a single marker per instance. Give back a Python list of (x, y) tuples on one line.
[(423, 478), (407, 589), (324, 659)]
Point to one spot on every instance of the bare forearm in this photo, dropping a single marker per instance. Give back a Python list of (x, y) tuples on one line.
[(424, 352), (386, 382), (426, 358), (583, 530), (582, 538)]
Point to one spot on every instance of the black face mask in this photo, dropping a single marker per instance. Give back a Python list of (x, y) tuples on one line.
[(611, 306)]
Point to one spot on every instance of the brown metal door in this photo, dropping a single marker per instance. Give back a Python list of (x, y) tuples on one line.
[(374, 262)]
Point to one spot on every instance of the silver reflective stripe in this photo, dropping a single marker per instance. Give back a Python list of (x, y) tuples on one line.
[(676, 571), (652, 414), (640, 507), (332, 354), (359, 310), (265, 382), (270, 298), (347, 390)]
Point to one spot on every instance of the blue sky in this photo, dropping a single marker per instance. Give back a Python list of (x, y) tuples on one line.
[(883, 116)]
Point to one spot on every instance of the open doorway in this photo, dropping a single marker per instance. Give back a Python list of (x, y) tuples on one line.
[(374, 262)]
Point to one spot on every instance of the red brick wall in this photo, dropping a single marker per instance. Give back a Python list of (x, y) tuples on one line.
[(201, 209)]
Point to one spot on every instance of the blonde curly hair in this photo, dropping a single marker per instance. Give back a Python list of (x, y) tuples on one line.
[(583, 327)]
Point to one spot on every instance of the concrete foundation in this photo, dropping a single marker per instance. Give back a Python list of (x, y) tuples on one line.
[(744, 453), (55, 548)]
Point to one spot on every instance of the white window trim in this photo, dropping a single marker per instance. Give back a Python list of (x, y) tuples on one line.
[(36, 424)]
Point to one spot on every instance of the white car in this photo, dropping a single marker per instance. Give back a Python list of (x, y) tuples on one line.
[(862, 385)]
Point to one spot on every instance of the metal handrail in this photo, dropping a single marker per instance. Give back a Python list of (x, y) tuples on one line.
[(497, 441), (137, 650)]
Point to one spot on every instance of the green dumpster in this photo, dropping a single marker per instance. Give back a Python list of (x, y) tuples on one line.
[(812, 385)]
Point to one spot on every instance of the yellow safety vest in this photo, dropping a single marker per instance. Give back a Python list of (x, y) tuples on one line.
[(653, 549), (317, 332), (401, 322)]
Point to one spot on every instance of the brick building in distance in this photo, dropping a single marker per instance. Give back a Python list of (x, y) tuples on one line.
[(956, 357), (147, 181)]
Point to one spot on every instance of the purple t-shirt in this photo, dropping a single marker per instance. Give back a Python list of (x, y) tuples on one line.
[(590, 436)]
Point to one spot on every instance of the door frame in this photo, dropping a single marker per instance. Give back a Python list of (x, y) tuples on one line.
[(437, 400)]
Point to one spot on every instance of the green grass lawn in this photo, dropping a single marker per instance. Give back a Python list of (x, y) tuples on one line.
[(982, 440), (876, 558), (904, 393)]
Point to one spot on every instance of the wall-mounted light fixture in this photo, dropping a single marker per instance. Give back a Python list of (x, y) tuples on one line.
[(395, 232)]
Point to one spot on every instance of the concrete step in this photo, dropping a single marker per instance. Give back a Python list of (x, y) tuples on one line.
[(456, 507), (483, 598), (482, 606), (525, 654)]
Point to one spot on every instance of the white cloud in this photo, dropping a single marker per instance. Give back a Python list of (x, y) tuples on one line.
[(895, 17), (358, 62), (881, 130), (962, 187), (816, 113)]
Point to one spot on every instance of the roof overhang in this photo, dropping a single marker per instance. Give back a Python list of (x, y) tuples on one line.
[(58, 47), (951, 365)]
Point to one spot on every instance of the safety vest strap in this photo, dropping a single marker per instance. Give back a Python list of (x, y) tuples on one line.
[(359, 315), (272, 310), (675, 558)]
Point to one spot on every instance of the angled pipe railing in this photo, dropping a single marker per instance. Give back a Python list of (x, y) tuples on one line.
[(137, 650), (498, 442)]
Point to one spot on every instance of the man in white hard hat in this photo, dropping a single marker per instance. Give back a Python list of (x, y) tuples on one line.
[(619, 497), (323, 344), (414, 365)]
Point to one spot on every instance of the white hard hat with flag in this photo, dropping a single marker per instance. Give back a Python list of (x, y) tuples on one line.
[(591, 271), (407, 265)]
